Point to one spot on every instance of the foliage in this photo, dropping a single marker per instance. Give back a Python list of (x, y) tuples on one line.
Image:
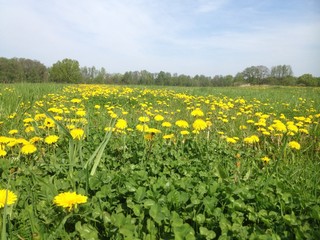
[(255, 74), (152, 181), (65, 71), (22, 70)]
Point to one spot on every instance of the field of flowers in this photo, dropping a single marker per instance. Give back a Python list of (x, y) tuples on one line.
[(111, 162)]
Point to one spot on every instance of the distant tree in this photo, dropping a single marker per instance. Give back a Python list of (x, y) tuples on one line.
[(281, 71), (163, 78), (146, 78), (238, 79), (256, 74), (65, 71), (22, 70), (181, 80), (33, 70), (10, 71), (308, 80), (101, 77)]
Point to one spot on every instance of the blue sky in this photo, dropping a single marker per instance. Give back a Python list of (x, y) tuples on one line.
[(209, 37)]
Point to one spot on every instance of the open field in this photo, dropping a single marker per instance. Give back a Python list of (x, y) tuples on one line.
[(111, 162)]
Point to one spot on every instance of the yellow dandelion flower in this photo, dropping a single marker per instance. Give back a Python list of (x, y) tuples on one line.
[(158, 118), (121, 124), (182, 124), (166, 124), (197, 112), (303, 130), (266, 133), (199, 124), (144, 119), (279, 126), (184, 132), (109, 129), (13, 131), (29, 129), (48, 123), (294, 145), (58, 118), (81, 113), (35, 139), (51, 139), (28, 149), (5, 139), (77, 133), (113, 115), (7, 197), (39, 116), (209, 123), (292, 128), (142, 127), (252, 139), (231, 140), (265, 159), (2, 151), (76, 100), (71, 126), (168, 136), (69, 200), (153, 130)]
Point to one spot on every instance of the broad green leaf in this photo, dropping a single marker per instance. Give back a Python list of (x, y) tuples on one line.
[(156, 214), (208, 233), (183, 232), (148, 203), (151, 228), (87, 231), (140, 194)]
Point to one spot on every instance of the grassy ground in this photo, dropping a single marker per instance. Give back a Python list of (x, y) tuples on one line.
[(159, 163)]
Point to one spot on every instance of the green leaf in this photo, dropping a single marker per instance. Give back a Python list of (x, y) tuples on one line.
[(127, 230), (148, 203), (87, 231), (247, 176), (156, 214), (208, 233), (220, 172), (290, 219), (118, 219), (315, 212), (183, 232), (200, 218), (151, 228), (224, 225), (176, 220), (140, 194)]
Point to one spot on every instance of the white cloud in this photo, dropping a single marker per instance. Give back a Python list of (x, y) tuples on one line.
[(208, 6), (192, 37)]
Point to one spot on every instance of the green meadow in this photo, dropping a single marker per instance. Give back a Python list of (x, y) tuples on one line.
[(133, 162)]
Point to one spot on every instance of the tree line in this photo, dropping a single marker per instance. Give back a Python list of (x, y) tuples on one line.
[(69, 71)]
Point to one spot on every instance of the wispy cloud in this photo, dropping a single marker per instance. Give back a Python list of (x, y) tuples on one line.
[(185, 36), (208, 6)]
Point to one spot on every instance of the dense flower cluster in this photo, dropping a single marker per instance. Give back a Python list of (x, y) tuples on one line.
[(157, 114)]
